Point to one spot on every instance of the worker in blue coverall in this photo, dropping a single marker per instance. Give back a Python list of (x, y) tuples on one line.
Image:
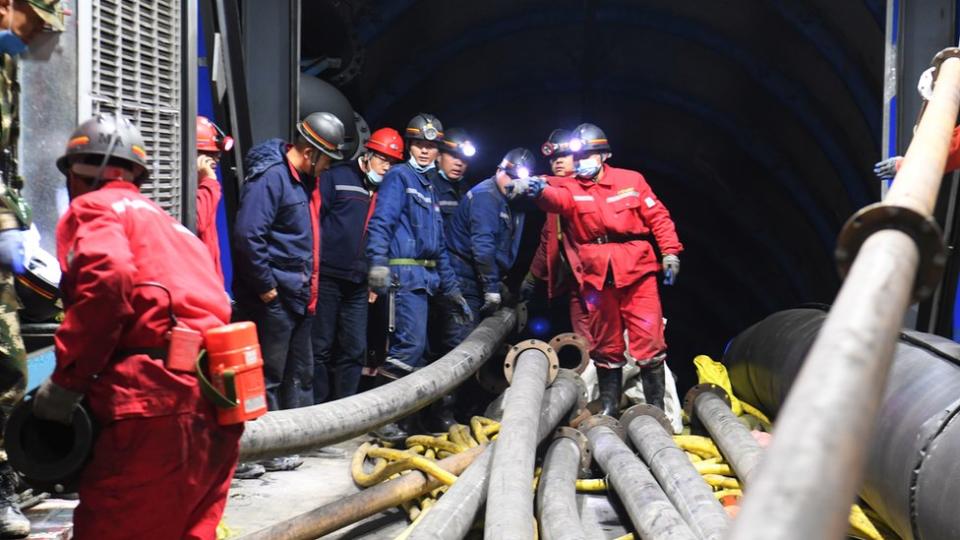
[(485, 236), (407, 254), (456, 151), (348, 192)]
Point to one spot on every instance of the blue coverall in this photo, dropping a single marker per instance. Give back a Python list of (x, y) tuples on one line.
[(444, 330), (341, 317), (406, 234), (485, 235)]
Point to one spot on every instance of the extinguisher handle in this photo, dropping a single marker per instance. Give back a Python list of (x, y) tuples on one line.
[(209, 391)]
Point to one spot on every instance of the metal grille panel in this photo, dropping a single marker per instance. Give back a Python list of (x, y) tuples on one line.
[(136, 71)]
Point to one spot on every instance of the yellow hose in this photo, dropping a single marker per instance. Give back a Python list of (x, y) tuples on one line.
[(406, 532), (437, 443), (727, 492), (591, 485), (477, 425), (693, 457), (701, 446), (704, 467), (628, 536), (423, 464), (725, 482), (862, 526), (755, 412)]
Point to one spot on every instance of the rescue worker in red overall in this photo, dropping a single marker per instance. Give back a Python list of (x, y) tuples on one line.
[(161, 464), (549, 264), (211, 143), (613, 216)]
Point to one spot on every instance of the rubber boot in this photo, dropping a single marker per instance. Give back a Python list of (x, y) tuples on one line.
[(394, 433), (439, 417), (13, 524), (654, 384), (610, 384)]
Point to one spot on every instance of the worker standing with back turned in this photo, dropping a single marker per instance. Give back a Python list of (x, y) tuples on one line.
[(134, 279)]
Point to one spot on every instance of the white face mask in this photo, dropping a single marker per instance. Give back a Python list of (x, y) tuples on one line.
[(373, 177), (419, 168), (588, 168)]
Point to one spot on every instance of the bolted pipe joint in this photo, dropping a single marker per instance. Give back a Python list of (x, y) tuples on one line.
[(515, 352)]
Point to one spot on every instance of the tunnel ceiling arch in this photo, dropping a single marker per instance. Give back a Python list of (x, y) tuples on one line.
[(756, 122)]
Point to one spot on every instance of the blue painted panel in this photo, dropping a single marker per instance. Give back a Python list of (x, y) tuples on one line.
[(40, 366)]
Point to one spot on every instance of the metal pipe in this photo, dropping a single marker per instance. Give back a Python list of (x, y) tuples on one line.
[(557, 494), (732, 437), (370, 501), (650, 431), (915, 443), (805, 484), (451, 517), (651, 512), (510, 490), (290, 431)]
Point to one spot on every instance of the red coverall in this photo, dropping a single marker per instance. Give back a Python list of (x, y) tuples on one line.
[(161, 465), (208, 197), (548, 266), (611, 223)]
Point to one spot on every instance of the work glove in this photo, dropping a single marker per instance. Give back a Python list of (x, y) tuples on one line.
[(55, 403), (671, 268), (530, 187), (463, 315), (887, 168), (11, 250), (528, 288), (491, 303), (379, 278)]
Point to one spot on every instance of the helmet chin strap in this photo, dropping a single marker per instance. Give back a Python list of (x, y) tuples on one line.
[(98, 177)]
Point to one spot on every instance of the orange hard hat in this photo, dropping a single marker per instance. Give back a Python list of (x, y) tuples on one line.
[(210, 138), (386, 141)]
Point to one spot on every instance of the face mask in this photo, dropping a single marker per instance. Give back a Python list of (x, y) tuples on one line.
[(417, 167), (588, 168), (444, 175), (11, 43), (374, 178)]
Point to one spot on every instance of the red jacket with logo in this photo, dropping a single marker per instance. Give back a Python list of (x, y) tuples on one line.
[(115, 246), (610, 224)]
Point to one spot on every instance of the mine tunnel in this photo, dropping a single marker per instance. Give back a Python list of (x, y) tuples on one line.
[(756, 123)]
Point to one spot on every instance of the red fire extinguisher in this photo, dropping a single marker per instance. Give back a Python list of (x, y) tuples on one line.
[(236, 384)]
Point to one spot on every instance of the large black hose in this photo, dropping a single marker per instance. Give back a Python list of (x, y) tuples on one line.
[(912, 465), (290, 431)]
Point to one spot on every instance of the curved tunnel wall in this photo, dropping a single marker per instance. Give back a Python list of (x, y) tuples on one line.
[(756, 123)]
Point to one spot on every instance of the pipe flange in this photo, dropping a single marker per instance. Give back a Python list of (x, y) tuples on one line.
[(922, 229), (522, 313), (642, 409), (602, 420), (572, 339), (706, 388), (586, 457), (578, 417), (553, 363)]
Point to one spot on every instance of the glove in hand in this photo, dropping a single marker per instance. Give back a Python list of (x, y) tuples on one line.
[(491, 303), (887, 168), (671, 268), (11, 250), (379, 278), (463, 315), (55, 403)]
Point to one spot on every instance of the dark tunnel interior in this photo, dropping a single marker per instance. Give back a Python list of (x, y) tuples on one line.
[(756, 122)]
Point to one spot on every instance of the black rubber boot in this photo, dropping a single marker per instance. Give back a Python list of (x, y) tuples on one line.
[(393, 433), (439, 415), (654, 384), (13, 524), (610, 383)]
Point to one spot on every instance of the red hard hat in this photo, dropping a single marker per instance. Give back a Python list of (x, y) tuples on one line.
[(386, 141), (210, 138), (206, 135)]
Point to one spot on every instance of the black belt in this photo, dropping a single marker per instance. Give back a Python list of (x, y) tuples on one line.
[(619, 238), (158, 353)]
